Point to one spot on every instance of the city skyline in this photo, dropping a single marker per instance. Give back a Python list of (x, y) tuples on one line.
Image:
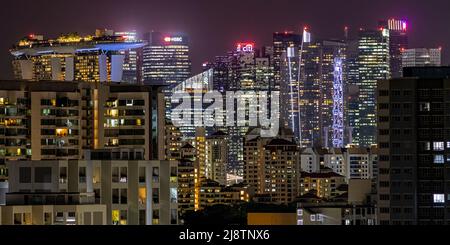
[(263, 112), (211, 36)]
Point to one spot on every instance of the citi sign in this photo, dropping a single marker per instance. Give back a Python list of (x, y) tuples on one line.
[(245, 47)]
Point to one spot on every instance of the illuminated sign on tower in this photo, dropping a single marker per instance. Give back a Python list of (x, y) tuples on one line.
[(245, 47), (173, 39)]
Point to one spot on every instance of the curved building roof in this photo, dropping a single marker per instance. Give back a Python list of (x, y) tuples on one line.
[(73, 48)]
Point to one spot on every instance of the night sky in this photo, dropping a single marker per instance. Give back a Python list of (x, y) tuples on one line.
[(215, 26)]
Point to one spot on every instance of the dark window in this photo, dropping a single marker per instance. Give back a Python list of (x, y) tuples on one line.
[(43, 175), (25, 175)]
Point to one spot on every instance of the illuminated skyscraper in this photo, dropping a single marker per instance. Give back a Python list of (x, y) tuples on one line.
[(332, 85), (166, 59), (290, 90), (281, 42), (419, 57), (310, 93), (351, 89), (398, 42), (307, 89), (373, 62)]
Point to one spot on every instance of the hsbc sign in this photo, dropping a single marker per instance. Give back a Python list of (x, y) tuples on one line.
[(173, 39)]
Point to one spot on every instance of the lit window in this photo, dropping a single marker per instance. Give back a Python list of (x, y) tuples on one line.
[(439, 159), (173, 195), (347, 222), (142, 195), (62, 132), (319, 218), (115, 217), (300, 211), (439, 198), (425, 107), (300, 222), (112, 113), (112, 123), (313, 217), (439, 146), (425, 146), (46, 112), (448, 145)]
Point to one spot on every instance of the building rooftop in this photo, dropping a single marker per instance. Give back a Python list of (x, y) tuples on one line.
[(428, 72), (70, 86), (322, 175), (72, 43)]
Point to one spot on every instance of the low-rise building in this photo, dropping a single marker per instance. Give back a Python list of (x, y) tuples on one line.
[(351, 162), (325, 184), (212, 193), (135, 192), (52, 209), (354, 207)]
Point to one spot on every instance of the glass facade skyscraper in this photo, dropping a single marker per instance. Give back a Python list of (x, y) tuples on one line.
[(281, 42), (166, 59), (374, 65), (398, 42)]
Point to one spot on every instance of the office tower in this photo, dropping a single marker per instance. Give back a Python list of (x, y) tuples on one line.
[(166, 59), (131, 63), (217, 157), (242, 67), (264, 75), (72, 57), (351, 90), (398, 42), (221, 67), (314, 91), (332, 86), (67, 118), (134, 191), (246, 70), (271, 166), (310, 94), (290, 91), (196, 86), (419, 57), (413, 147), (281, 42), (373, 62)]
